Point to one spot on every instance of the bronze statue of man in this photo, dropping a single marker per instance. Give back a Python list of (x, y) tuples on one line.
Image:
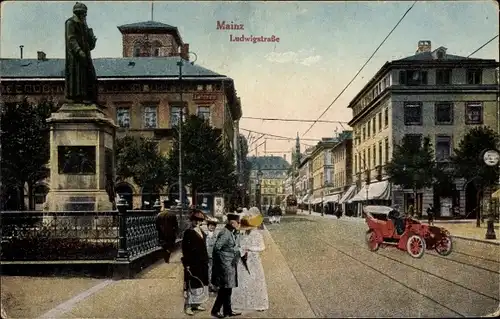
[(81, 79)]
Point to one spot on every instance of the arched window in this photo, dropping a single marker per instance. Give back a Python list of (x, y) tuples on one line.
[(137, 49), (155, 48)]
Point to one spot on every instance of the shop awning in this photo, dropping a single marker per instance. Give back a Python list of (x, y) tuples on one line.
[(348, 194), (379, 190), (496, 194), (316, 201), (304, 199), (331, 198)]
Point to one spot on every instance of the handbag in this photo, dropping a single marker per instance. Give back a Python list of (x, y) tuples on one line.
[(204, 294)]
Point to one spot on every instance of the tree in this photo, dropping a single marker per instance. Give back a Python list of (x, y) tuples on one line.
[(466, 160), (139, 158), (413, 165), (245, 166), (467, 163), (25, 143), (207, 164)]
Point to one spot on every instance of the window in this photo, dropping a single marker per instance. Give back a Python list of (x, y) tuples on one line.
[(369, 159), (137, 50), (355, 164), (374, 155), (380, 153), (387, 150), (379, 121), (413, 113), (473, 113), (443, 76), (123, 117), (444, 113), (364, 134), (443, 148), (364, 159), (175, 115), (414, 139), (474, 76), (374, 126), (386, 117), (412, 77), (156, 51), (199, 87), (204, 113), (149, 116), (368, 130), (209, 87)]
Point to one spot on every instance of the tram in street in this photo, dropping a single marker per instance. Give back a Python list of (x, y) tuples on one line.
[(291, 204)]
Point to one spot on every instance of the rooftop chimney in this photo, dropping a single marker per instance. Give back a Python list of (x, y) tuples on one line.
[(21, 48), (41, 56), (424, 46), (185, 51)]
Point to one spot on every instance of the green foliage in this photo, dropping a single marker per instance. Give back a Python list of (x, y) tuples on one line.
[(139, 158), (246, 164), (466, 160), (25, 143), (207, 165), (413, 165)]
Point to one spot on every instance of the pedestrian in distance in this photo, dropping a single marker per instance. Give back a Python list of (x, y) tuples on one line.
[(430, 214), (226, 255), (168, 228), (210, 241), (278, 213), (251, 293), (195, 261)]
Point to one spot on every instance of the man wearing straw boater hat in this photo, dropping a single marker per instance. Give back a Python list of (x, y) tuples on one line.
[(226, 255), (195, 262)]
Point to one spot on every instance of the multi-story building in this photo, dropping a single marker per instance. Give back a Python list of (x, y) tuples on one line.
[(305, 180), (274, 171), (342, 170), (322, 167), (431, 93), (141, 91)]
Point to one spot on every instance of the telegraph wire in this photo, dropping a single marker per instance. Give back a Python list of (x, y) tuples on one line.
[(481, 47), (290, 120), (282, 137), (361, 69)]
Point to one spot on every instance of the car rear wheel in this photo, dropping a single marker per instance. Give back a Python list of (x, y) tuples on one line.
[(444, 246), (415, 245), (371, 241)]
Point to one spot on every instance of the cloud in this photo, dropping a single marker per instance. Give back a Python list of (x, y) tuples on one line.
[(304, 57)]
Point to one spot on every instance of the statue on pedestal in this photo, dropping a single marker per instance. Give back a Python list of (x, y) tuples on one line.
[(80, 75)]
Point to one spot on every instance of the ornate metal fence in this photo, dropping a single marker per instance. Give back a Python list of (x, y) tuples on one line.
[(78, 235)]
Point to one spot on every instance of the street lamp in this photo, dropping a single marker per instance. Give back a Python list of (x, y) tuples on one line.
[(180, 64), (259, 191), (491, 158)]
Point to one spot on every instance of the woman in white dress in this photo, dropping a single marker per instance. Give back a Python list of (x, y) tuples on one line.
[(251, 293)]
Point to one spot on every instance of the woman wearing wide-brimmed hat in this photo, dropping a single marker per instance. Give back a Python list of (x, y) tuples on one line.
[(251, 293), (195, 262)]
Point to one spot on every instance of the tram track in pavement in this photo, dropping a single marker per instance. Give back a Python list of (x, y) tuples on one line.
[(496, 266), (466, 292)]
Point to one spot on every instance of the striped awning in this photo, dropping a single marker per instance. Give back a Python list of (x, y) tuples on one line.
[(331, 198), (348, 194)]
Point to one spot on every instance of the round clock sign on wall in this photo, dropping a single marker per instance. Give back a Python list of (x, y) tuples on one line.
[(491, 157)]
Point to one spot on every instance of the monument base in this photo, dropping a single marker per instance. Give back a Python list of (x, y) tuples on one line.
[(81, 158)]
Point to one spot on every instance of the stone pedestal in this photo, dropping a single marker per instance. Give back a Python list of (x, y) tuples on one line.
[(81, 158)]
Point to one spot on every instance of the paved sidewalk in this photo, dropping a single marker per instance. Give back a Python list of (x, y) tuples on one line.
[(155, 293)]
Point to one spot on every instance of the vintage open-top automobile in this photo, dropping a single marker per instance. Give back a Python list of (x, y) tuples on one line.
[(387, 227)]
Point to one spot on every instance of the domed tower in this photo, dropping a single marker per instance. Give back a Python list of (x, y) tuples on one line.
[(152, 39)]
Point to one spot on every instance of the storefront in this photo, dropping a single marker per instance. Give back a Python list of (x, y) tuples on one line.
[(378, 193), (348, 209)]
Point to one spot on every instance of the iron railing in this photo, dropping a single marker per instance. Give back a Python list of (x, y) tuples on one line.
[(78, 235)]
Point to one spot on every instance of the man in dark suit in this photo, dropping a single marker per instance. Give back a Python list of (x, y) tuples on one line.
[(226, 255), (168, 228)]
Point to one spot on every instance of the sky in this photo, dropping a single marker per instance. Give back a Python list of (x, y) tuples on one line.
[(322, 45)]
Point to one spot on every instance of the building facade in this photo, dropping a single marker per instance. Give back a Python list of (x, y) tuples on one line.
[(274, 171), (141, 91), (322, 170), (430, 94)]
